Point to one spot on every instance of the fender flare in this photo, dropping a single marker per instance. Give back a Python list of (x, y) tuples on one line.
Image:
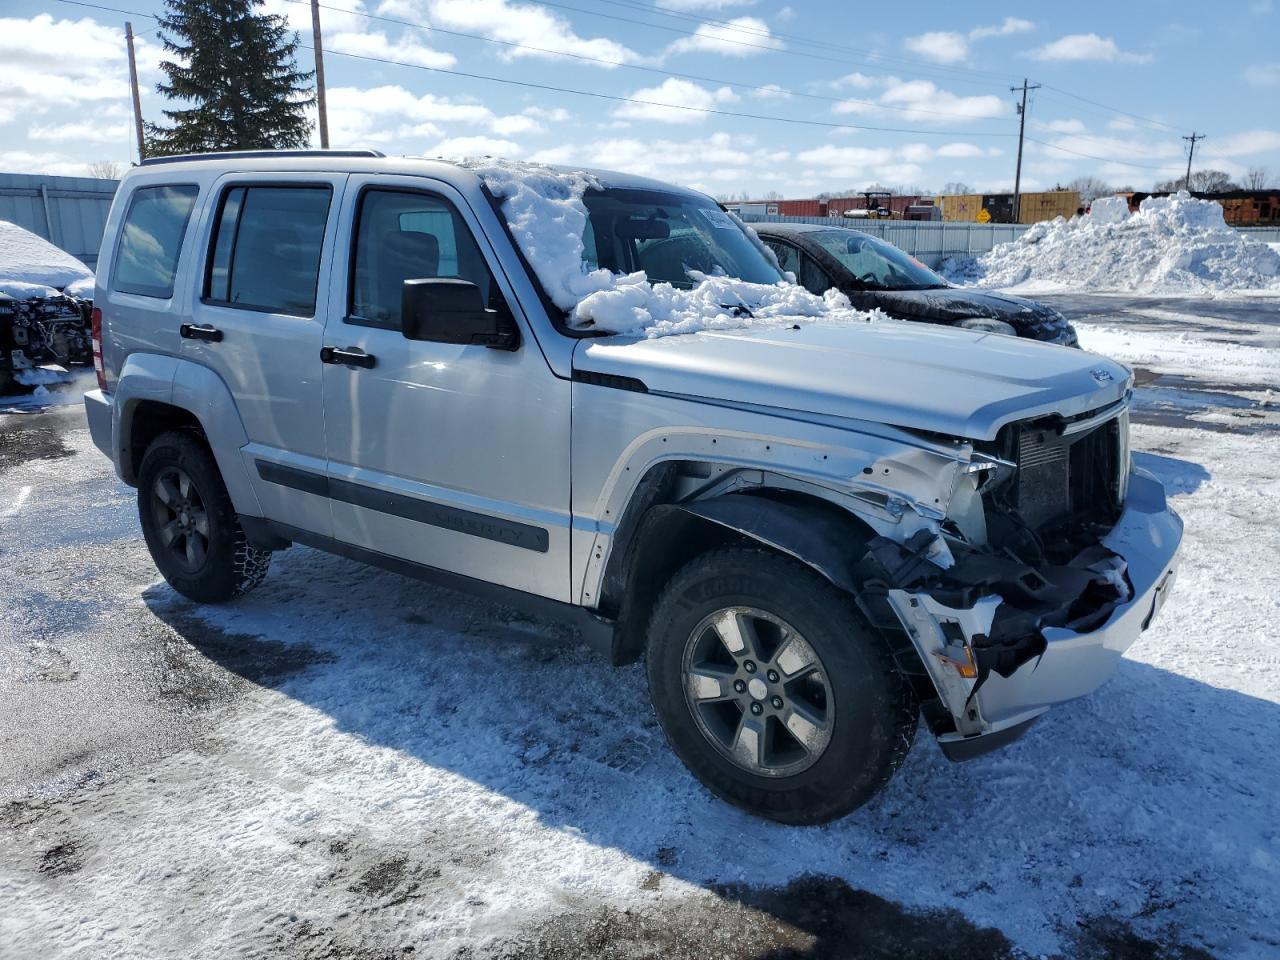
[(200, 392)]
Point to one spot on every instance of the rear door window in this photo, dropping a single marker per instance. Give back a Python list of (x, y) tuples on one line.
[(151, 240), (265, 252)]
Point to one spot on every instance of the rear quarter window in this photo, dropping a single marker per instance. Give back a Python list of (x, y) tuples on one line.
[(151, 240)]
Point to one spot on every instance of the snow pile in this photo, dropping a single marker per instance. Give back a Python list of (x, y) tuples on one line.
[(1174, 244), (26, 258), (544, 209)]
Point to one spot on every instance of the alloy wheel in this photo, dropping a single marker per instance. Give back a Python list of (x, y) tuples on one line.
[(758, 691), (181, 519)]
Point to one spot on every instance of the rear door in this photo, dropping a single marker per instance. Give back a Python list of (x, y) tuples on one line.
[(258, 320), (450, 456)]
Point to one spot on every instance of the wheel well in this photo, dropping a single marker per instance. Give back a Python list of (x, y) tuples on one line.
[(147, 420)]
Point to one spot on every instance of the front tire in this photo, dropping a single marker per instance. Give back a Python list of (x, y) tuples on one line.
[(772, 690), (191, 529)]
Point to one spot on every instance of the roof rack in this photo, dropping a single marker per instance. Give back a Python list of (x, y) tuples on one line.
[(259, 155)]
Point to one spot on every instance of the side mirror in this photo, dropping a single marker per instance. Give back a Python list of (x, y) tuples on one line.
[(447, 310)]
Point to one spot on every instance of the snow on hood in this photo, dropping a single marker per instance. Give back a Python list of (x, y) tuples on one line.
[(1174, 244), (26, 258), (544, 209)]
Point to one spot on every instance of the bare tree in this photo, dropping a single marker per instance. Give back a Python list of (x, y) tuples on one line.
[(1202, 181), (1090, 188), (772, 195), (105, 170), (1255, 178), (956, 187)]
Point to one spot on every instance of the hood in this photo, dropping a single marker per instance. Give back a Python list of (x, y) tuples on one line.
[(950, 304), (958, 382)]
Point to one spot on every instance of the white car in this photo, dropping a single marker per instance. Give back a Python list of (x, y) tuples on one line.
[(813, 528)]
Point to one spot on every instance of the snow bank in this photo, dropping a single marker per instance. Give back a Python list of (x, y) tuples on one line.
[(544, 209), (27, 258), (1174, 244)]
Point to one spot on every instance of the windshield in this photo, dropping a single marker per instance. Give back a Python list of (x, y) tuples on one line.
[(667, 235), (878, 265)]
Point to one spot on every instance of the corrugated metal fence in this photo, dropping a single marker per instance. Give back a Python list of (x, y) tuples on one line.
[(70, 212)]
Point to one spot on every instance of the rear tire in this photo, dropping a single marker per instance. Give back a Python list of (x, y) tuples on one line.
[(191, 529), (807, 719)]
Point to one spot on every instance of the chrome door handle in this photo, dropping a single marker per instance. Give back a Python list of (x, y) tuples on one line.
[(350, 357), (191, 331)]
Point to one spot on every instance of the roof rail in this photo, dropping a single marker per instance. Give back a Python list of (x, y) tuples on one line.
[(259, 155)]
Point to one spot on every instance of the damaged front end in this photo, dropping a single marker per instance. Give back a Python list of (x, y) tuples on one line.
[(1058, 556), (41, 335)]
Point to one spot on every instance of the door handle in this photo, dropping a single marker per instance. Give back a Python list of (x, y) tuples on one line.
[(191, 331), (352, 357)]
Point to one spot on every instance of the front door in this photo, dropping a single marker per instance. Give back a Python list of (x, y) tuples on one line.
[(453, 457), (257, 323)]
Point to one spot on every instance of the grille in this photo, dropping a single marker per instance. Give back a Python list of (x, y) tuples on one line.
[(1066, 478)]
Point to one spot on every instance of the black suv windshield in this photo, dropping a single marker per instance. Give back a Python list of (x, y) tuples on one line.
[(667, 235), (878, 265)]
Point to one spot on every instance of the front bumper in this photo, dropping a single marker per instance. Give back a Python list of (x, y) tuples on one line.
[(1147, 536)]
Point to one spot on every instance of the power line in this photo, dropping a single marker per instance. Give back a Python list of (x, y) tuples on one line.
[(1103, 106), (1191, 153), (1089, 156), (789, 37), (634, 66), (634, 100), (527, 84)]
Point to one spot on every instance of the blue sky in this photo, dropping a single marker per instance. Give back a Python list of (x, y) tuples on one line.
[(1122, 83)]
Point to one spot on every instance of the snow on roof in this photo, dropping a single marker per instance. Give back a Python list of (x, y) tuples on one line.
[(1174, 244), (544, 210), (26, 258)]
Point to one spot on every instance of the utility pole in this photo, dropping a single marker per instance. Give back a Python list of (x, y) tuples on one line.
[(320, 101), (1022, 128), (1191, 153), (133, 85)]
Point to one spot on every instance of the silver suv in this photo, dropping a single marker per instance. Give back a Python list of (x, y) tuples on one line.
[(814, 526)]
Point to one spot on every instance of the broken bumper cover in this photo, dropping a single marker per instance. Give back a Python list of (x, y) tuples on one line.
[(1147, 537)]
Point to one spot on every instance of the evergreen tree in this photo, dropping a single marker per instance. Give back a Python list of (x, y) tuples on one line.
[(235, 78)]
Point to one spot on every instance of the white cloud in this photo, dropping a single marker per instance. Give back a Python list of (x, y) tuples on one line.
[(841, 159), (1086, 46), (674, 101), (1243, 144), (1009, 26), (947, 46), (85, 131), (360, 116), (739, 37), (1061, 126), (720, 158), (1263, 74), (515, 124), (47, 63), (474, 147), (55, 164), (552, 114), (923, 101), (771, 91), (916, 152), (529, 24), (859, 81), (376, 44), (960, 150), (940, 46)]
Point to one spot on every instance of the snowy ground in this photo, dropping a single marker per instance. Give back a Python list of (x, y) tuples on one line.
[(350, 764)]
